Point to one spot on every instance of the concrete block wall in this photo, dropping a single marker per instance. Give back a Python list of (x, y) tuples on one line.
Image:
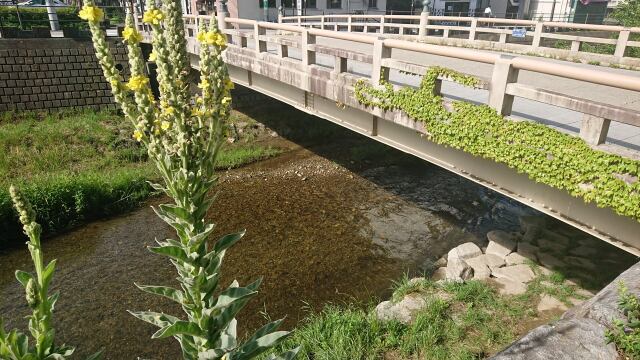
[(50, 74)]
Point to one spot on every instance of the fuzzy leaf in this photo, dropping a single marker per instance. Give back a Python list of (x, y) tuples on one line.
[(228, 240), (166, 291), (179, 328)]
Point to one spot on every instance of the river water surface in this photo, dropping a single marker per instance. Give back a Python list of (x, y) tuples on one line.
[(321, 228)]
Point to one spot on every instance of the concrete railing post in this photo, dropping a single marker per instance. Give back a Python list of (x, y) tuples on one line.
[(340, 66), (503, 74), (222, 14), (308, 56), (575, 46), (349, 23), (379, 74), (382, 21), (261, 45), (299, 21), (594, 129), (322, 22), (621, 45), (537, 35), (472, 29), (424, 21)]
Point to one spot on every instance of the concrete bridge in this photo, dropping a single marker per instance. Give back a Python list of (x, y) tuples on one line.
[(315, 70)]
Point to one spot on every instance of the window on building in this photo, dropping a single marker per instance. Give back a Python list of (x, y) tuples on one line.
[(310, 4), (271, 3), (373, 4), (334, 4)]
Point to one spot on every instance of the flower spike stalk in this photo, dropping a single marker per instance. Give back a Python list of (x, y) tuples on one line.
[(15, 345), (183, 135)]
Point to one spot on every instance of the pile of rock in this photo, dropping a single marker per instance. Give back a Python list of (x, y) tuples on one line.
[(505, 260)]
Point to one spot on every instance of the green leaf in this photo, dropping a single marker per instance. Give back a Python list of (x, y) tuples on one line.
[(253, 348), (179, 328), (23, 277), (233, 294), (289, 355), (47, 274), (175, 252), (154, 318), (166, 291), (228, 240)]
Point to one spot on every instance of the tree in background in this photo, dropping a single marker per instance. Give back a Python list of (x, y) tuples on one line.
[(628, 13)]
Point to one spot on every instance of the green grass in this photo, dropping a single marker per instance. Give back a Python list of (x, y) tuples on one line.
[(461, 321), (76, 167)]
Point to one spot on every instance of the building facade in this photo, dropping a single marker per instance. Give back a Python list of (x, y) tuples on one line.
[(255, 9)]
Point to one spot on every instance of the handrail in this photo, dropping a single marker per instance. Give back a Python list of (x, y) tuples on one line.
[(578, 73), (458, 53)]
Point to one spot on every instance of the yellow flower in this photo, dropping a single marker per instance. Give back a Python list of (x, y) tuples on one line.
[(204, 83), (153, 56), (228, 85), (91, 13), (196, 112), (137, 82), (165, 125), (115, 83), (169, 110), (226, 100), (212, 38), (131, 35), (153, 17), (137, 135)]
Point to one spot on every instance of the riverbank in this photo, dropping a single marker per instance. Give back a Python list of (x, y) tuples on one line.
[(80, 166)]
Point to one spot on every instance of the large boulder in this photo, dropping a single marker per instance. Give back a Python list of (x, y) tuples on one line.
[(458, 270), (500, 243), (404, 311), (579, 334), (564, 340), (465, 251), (518, 273)]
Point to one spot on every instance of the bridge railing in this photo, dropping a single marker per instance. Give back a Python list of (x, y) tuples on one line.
[(612, 44), (503, 85)]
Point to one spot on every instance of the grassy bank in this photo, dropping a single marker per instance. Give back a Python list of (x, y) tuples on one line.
[(76, 167), (460, 321)]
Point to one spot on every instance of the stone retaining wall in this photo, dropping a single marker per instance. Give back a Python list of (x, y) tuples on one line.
[(47, 74)]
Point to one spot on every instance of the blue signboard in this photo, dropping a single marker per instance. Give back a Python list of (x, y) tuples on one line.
[(519, 32)]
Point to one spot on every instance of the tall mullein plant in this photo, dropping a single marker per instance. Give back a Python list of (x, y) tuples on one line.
[(15, 345), (183, 136)]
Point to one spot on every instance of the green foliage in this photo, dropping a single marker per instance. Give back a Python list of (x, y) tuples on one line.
[(628, 13), (15, 345), (546, 155), (460, 321), (625, 334), (37, 17)]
